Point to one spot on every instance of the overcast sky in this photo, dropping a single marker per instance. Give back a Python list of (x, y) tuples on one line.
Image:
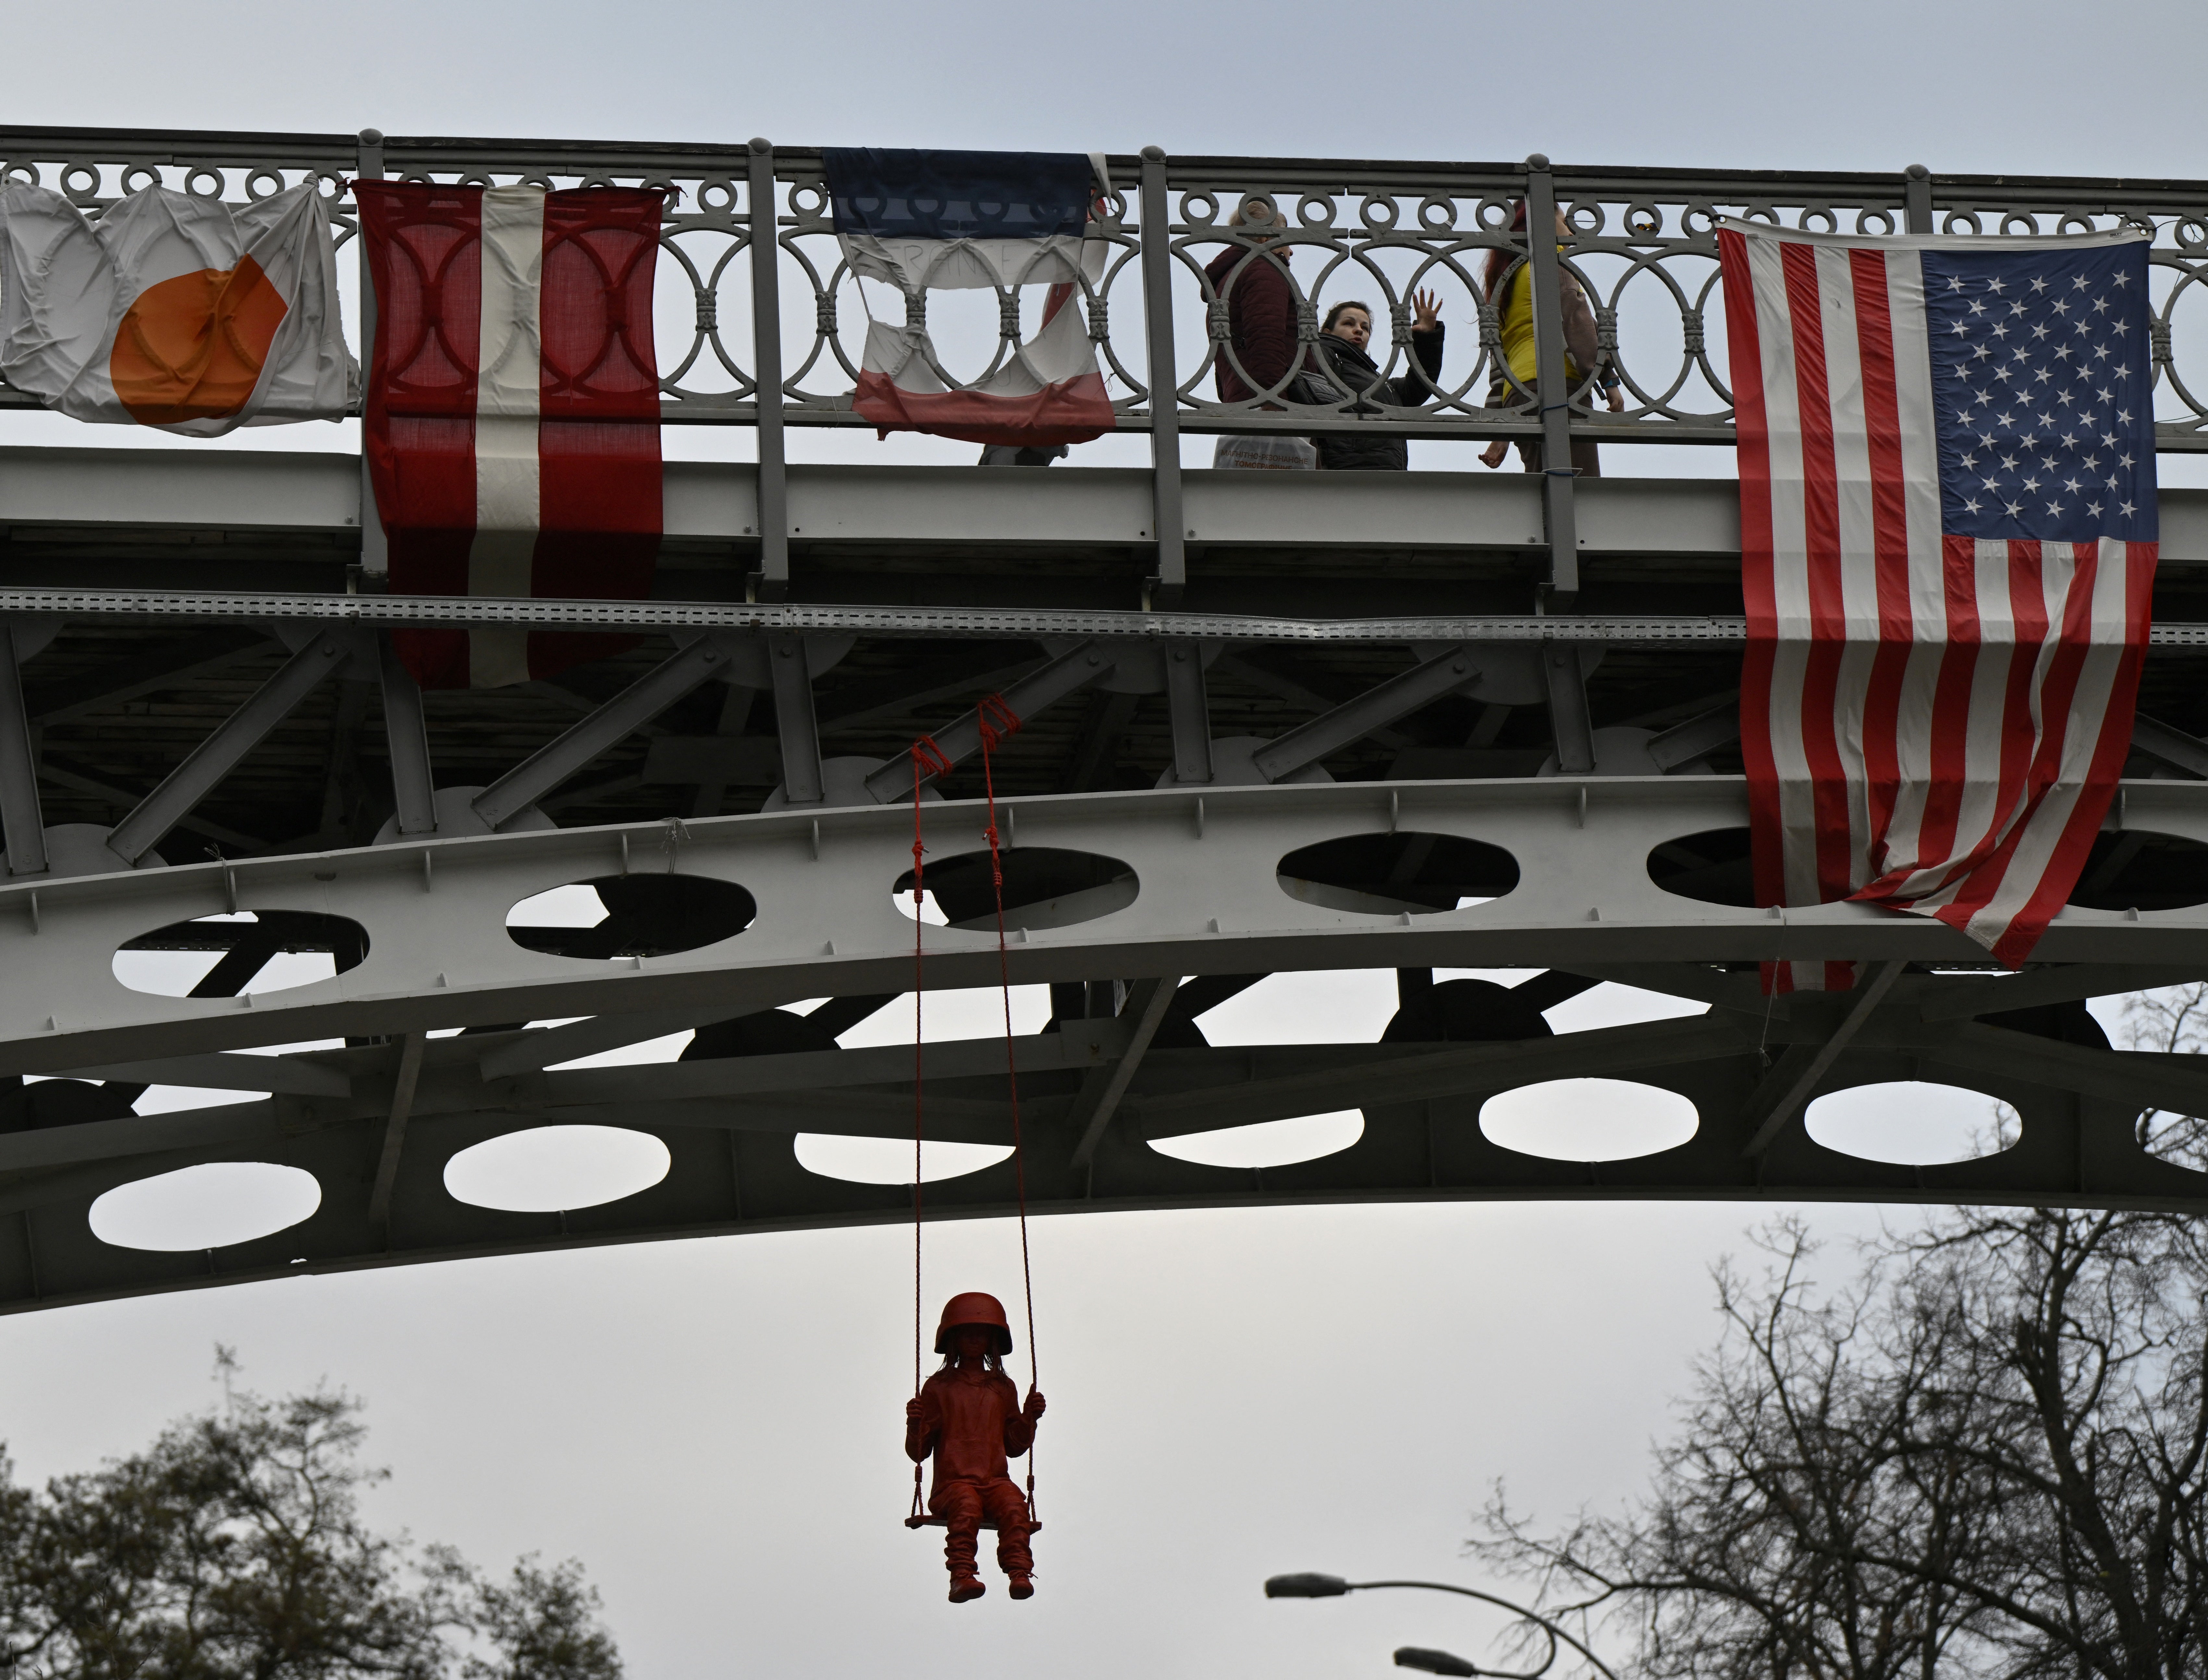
[(712, 1426)]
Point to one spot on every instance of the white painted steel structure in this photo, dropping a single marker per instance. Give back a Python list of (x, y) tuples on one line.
[(1270, 722)]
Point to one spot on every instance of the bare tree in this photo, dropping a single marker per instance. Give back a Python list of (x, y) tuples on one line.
[(1986, 1454)]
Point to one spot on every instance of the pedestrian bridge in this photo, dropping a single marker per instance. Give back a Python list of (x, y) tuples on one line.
[(1271, 722)]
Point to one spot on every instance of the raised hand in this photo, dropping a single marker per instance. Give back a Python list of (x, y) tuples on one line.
[(1427, 307)]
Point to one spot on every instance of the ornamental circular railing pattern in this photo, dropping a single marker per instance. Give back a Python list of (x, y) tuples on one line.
[(1639, 243)]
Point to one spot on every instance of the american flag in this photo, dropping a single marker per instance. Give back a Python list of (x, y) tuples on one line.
[(1948, 541)]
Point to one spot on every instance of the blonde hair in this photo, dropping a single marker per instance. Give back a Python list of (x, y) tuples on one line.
[(1247, 214)]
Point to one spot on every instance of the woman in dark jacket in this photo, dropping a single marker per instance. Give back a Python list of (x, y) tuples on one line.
[(1250, 276), (1348, 374)]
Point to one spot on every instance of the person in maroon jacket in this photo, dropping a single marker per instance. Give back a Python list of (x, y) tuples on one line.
[(1261, 331), (969, 1416)]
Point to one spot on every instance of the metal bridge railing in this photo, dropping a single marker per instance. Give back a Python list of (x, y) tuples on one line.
[(1642, 245), (771, 334)]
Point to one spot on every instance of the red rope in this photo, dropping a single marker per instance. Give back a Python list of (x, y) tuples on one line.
[(927, 761), (998, 723)]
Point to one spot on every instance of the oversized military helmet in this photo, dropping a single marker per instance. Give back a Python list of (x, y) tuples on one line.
[(974, 1308)]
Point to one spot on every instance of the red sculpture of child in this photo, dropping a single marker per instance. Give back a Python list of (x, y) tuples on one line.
[(969, 1416)]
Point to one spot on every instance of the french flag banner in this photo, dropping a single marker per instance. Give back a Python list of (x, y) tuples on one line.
[(1948, 539), (918, 220), (512, 416), (172, 310)]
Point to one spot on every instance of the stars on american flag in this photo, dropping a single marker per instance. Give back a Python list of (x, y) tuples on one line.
[(2039, 391)]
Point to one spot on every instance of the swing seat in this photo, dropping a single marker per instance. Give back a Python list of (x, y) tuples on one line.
[(932, 1521)]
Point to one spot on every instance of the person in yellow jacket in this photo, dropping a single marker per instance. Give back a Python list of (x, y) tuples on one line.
[(1515, 309)]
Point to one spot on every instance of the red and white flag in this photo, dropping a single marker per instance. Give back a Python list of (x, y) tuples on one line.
[(1948, 541), (512, 419)]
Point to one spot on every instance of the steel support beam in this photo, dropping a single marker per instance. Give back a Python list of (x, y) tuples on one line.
[(2170, 744), (1189, 713), (1049, 683), (1102, 1088), (895, 697), (1546, 990), (20, 815), (1377, 707), (2138, 1079), (877, 1065), (1570, 724), (547, 1047), (1271, 674), (2061, 983), (1456, 1070), (142, 1136), (1697, 737), (736, 713), (293, 1076), (794, 721), (1205, 993), (213, 759), (761, 208), (63, 775), (1421, 1142), (118, 493), (618, 718), (1698, 980), (167, 665), (1166, 511), (575, 700), (404, 1083), (839, 1015), (1095, 749), (1786, 1098), (1210, 900), (1705, 632), (406, 735)]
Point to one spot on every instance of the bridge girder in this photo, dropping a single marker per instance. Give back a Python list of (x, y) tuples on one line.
[(1207, 896), (178, 702)]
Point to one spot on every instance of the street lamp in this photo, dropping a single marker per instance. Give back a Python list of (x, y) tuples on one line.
[(1432, 1662), (1311, 1586)]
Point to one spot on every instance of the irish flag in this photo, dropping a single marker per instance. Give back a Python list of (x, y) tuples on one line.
[(173, 310), (513, 418)]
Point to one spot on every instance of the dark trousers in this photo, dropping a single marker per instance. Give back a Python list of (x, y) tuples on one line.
[(964, 1503), (1587, 462)]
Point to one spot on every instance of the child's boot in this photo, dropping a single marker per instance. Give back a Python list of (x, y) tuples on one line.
[(965, 1585), (1014, 1558)]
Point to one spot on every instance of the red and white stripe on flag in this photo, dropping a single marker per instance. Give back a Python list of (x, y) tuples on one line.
[(1931, 723), (513, 415)]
